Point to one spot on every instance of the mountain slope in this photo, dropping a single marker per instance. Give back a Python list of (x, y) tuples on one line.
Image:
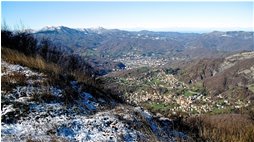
[(223, 74), (117, 43), (32, 109)]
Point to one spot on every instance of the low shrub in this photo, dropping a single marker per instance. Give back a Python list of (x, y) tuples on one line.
[(223, 128)]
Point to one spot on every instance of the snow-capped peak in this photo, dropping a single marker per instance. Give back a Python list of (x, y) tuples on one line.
[(51, 28), (97, 30)]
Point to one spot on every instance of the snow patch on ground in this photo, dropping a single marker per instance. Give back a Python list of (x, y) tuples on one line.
[(103, 126), (7, 109), (10, 68)]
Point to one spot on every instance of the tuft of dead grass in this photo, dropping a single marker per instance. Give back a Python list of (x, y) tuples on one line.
[(10, 81), (37, 62)]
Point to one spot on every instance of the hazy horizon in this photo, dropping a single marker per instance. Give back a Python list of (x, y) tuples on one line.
[(179, 30), (132, 16)]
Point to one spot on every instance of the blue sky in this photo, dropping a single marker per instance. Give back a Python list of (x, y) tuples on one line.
[(132, 15)]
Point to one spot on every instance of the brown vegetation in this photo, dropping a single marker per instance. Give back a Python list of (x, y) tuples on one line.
[(230, 78), (10, 81), (198, 70), (222, 128), (36, 62)]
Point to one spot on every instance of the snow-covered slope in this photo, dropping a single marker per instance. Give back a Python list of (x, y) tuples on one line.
[(33, 110)]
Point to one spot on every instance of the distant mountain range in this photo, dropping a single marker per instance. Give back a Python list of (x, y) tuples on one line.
[(114, 43), (102, 46)]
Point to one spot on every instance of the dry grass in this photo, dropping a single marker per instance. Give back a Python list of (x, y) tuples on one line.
[(37, 62), (15, 78), (10, 81), (52, 139), (56, 74), (223, 128)]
